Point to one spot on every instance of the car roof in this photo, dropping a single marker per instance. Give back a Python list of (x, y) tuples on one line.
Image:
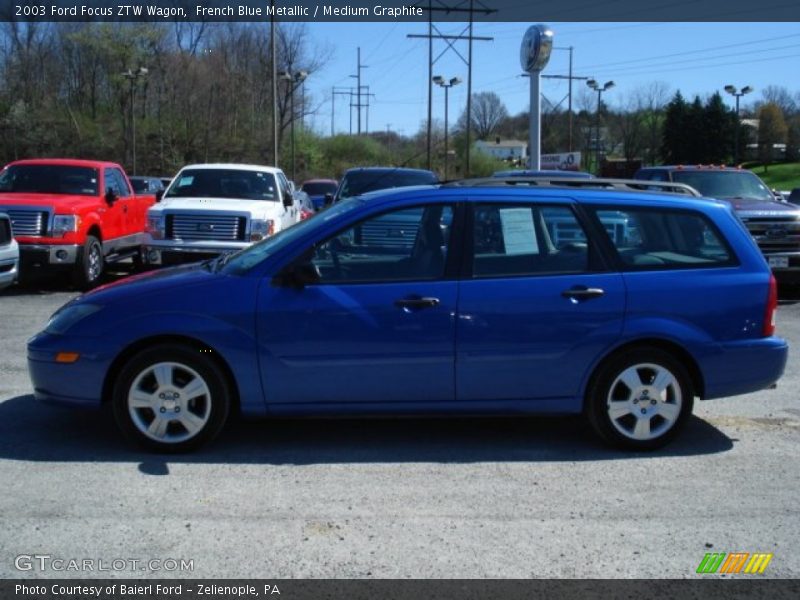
[(542, 173), (234, 167), (716, 168), (66, 162), (387, 170), (487, 189)]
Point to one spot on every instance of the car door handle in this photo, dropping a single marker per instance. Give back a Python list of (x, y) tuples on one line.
[(416, 302), (582, 293)]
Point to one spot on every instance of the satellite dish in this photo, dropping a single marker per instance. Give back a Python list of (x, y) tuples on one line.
[(536, 47)]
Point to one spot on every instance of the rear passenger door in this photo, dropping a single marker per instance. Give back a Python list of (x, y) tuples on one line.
[(536, 306)]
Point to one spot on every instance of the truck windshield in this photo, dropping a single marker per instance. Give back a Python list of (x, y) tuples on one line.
[(361, 182), (729, 185), (244, 260), (224, 183), (49, 179)]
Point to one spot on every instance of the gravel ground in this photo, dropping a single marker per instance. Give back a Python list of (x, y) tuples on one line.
[(419, 498)]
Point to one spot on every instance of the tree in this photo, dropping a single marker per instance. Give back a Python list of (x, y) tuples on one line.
[(488, 111), (674, 141), (771, 130)]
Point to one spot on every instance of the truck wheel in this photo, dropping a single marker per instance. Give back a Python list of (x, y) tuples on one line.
[(171, 398), (640, 399), (89, 267)]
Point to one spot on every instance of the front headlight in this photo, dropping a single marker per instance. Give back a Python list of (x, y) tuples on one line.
[(155, 226), (63, 224), (261, 228), (66, 317)]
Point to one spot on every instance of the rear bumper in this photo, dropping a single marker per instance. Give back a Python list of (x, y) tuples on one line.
[(744, 367)]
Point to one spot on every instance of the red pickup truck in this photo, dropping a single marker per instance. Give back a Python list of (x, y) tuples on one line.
[(72, 214)]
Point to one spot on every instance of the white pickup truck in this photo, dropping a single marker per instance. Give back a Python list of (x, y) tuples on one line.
[(209, 209)]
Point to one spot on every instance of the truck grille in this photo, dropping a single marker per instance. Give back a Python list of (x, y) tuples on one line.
[(191, 227), (28, 222), (775, 234), (5, 231), (389, 233)]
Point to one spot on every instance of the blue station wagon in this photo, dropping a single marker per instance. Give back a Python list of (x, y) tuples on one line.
[(487, 311)]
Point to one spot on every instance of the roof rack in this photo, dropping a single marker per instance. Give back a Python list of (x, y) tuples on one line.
[(622, 185)]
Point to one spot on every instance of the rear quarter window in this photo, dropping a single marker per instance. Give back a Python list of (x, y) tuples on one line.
[(656, 239)]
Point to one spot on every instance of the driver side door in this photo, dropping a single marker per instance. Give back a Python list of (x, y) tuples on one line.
[(377, 327)]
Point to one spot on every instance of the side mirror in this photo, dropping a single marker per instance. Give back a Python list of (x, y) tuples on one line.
[(159, 195), (288, 199), (328, 199), (298, 276), (111, 196)]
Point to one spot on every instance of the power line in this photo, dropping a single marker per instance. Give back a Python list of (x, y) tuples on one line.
[(450, 40)]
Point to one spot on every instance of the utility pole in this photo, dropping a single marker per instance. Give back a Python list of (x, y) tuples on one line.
[(357, 76), (450, 41), (341, 91), (571, 78), (274, 68)]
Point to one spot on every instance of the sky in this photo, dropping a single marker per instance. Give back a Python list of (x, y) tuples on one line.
[(695, 58)]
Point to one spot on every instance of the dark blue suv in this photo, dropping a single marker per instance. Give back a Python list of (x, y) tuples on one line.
[(487, 311)]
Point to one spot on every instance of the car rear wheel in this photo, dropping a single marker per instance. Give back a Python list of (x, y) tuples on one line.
[(639, 399), (90, 264), (171, 399)]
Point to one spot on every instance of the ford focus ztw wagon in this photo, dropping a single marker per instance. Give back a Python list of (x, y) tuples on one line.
[(480, 298)]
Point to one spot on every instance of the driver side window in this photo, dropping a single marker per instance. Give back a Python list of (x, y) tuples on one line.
[(402, 245)]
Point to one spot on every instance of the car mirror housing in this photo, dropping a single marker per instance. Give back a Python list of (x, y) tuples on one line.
[(288, 200), (110, 196), (159, 195), (298, 276)]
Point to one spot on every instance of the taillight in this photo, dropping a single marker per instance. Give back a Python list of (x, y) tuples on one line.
[(772, 307)]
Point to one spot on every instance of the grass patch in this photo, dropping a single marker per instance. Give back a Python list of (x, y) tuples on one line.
[(780, 176)]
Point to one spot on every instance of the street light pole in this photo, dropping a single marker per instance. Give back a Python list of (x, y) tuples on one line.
[(731, 89), (132, 76), (592, 83), (439, 80), (295, 81)]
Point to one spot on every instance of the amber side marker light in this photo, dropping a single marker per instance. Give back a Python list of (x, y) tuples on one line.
[(67, 357)]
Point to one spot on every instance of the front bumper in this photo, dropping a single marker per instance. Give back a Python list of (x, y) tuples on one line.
[(9, 264), (47, 255), (170, 252), (76, 384)]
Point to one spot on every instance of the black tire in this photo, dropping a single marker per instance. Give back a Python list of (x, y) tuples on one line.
[(665, 412), (171, 403), (91, 264)]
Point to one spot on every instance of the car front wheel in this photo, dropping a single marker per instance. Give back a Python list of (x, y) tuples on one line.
[(171, 399), (90, 264), (639, 399)]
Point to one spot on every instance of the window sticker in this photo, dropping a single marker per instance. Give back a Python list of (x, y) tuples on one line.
[(519, 235), (186, 180)]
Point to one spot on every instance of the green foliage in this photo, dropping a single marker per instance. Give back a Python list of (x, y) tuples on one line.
[(698, 133), (771, 130), (781, 176)]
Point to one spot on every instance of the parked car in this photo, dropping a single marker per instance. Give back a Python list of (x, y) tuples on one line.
[(370, 179), (483, 314), (210, 209), (774, 224), (9, 253), (317, 189), (74, 215), (146, 185), (542, 173)]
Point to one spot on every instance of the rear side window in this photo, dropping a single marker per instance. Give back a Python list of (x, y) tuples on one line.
[(518, 240), (665, 239)]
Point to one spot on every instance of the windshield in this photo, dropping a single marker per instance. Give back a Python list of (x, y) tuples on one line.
[(139, 185), (224, 183), (246, 259), (739, 185), (319, 188), (49, 179), (361, 182)]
